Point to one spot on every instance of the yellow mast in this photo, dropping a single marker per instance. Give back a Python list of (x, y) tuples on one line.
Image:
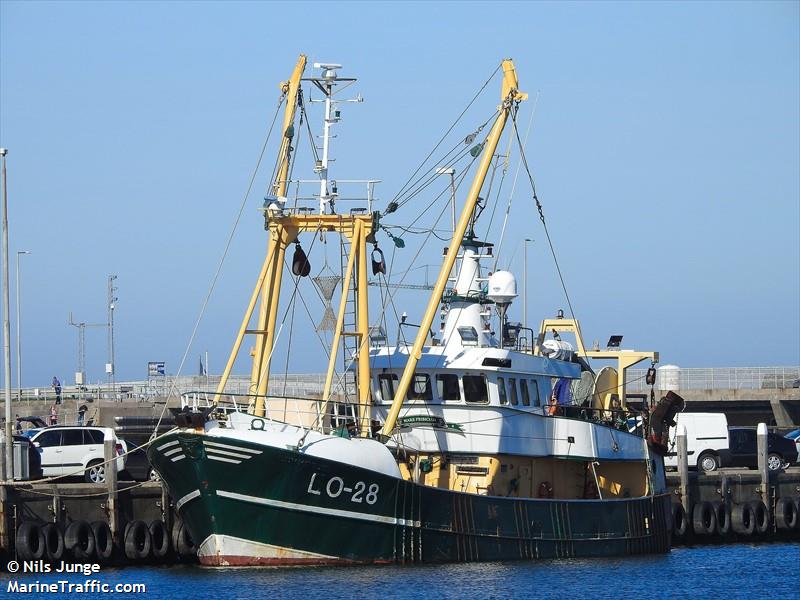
[(274, 252), (510, 95)]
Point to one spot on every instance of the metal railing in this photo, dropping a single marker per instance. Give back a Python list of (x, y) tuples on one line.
[(728, 378)]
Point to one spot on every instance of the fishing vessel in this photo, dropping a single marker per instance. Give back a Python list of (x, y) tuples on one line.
[(484, 440)]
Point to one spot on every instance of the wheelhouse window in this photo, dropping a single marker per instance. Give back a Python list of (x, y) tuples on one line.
[(501, 390), (534, 388), (523, 389), (447, 387), (512, 390), (475, 388), (420, 388), (386, 385)]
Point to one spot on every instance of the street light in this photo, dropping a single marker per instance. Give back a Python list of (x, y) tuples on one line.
[(9, 450), (450, 171), (19, 335), (525, 282)]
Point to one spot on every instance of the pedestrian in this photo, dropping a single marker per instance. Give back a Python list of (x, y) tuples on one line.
[(19, 425), (53, 415), (81, 414), (57, 388)]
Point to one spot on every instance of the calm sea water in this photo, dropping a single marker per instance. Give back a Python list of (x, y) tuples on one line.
[(737, 571)]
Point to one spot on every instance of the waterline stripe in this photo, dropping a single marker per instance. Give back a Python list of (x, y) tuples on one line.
[(335, 512), (187, 498), (229, 447)]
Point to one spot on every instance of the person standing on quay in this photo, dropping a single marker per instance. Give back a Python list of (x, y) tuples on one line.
[(57, 388), (53, 415)]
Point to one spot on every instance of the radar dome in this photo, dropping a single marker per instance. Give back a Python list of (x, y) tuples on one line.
[(502, 287)]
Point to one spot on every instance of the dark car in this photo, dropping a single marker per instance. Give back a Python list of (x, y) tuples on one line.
[(137, 466), (743, 451)]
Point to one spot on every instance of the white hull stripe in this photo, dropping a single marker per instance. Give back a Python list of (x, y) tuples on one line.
[(167, 445), (210, 451), (171, 452), (227, 460), (226, 545), (335, 512), (179, 457), (187, 498), (229, 447)]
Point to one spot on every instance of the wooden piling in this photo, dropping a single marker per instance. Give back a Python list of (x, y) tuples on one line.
[(110, 454), (683, 467)]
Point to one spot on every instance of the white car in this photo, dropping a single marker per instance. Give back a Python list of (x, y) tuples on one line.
[(76, 451)]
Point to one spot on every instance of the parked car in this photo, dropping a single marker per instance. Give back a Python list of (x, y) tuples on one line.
[(706, 440), (743, 452), (137, 467), (795, 437), (76, 451)]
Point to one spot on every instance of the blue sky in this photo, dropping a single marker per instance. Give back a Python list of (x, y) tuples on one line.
[(665, 148)]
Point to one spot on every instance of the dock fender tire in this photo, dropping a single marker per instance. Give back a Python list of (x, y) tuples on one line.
[(159, 537), (723, 514), (679, 521), (797, 512), (704, 519), (786, 514), (79, 540), (103, 540), (30, 541), (53, 542), (761, 517), (743, 519), (181, 540), (137, 540)]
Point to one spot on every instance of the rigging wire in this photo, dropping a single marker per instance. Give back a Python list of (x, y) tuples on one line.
[(218, 270), (514, 187), (446, 133), (541, 214)]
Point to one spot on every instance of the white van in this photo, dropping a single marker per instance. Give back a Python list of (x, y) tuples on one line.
[(706, 440)]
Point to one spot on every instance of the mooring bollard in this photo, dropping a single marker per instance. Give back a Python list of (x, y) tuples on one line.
[(683, 467), (763, 469), (110, 455)]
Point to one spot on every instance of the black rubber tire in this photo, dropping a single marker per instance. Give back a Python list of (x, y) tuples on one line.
[(723, 514), (53, 542), (785, 514), (29, 541), (704, 519), (761, 517), (712, 457), (79, 540), (680, 524), (797, 512), (743, 519), (160, 539), (103, 540), (90, 468), (137, 541), (182, 542)]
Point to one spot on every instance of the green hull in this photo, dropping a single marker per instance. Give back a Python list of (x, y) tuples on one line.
[(250, 504)]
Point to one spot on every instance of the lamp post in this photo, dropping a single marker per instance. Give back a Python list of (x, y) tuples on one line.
[(111, 301), (525, 282), (19, 335), (9, 450), (450, 171)]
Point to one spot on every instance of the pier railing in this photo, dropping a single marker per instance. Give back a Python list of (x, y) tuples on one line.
[(736, 378)]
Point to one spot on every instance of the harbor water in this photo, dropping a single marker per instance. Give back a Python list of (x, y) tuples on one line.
[(735, 571)]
